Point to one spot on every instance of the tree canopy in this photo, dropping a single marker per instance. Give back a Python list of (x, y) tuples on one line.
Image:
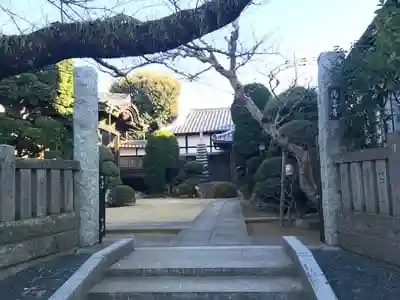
[(155, 94), (369, 76), (38, 110)]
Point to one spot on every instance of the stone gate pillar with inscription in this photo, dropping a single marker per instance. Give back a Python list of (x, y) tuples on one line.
[(329, 140), (86, 151)]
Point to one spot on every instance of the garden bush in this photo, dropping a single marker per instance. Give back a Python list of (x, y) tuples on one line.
[(109, 169), (225, 190), (53, 154), (114, 181), (105, 154), (186, 189), (160, 161), (123, 195), (190, 170), (270, 167), (268, 191), (193, 169)]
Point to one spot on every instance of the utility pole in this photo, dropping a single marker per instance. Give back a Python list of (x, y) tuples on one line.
[(296, 71), (300, 62)]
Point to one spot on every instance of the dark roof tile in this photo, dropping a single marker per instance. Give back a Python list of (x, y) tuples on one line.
[(205, 120)]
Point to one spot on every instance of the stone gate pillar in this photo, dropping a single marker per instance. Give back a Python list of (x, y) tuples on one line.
[(86, 151), (329, 140)]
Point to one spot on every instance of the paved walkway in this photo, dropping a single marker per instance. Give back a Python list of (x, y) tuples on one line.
[(221, 223)]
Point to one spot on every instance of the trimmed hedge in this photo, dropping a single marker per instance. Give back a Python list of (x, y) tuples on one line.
[(225, 190), (124, 195), (193, 168), (161, 160), (186, 189), (270, 167)]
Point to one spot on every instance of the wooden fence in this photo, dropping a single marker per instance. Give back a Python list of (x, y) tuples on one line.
[(37, 207), (369, 222)]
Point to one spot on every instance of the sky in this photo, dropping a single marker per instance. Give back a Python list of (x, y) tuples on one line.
[(294, 28)]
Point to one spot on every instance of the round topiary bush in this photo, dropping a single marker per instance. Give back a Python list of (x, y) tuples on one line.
[(124, 195), (270, 167), (114, 181), (225, 190), (193, 168), (268, 191), (185, 190), (105, 154), (109, 169)]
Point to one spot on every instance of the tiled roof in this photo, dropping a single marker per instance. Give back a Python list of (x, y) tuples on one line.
[(226, 136), (205, 120)]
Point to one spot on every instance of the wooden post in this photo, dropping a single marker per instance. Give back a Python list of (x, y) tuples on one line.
[(394, 171), (282, 196), (7, 183)]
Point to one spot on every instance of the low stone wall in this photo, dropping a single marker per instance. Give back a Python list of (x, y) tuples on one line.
[(28, 239)]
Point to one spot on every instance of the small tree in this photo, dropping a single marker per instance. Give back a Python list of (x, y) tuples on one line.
[(161, 161), (155, 94), (38, 108)]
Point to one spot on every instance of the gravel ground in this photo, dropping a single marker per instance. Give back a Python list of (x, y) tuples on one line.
[(39, 282), (355, 277)]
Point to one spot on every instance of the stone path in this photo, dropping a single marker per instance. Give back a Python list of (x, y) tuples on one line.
[(221, 223)]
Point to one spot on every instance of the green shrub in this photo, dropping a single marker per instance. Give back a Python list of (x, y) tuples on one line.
[(225, 190), (114, 181), (193, 168), (53, 154), (252, 165), (109, 169), (270, 167), (124, 195), (185, 189), (269, 190), (162, 157), (105, 154)]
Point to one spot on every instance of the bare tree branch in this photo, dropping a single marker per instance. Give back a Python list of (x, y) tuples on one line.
[(113, 38)]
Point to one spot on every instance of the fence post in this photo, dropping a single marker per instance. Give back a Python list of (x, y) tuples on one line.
[(329, 141), (7, 183), (86, 151), (394, 171)]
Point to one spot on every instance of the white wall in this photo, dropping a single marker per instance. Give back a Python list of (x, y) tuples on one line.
[(193, 141)]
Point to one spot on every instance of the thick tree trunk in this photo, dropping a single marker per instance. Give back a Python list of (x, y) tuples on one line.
[(120, 36)]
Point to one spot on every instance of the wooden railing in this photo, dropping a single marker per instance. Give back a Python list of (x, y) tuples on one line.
[(369, 222), (42, 188), (131, 162), (38, 210)]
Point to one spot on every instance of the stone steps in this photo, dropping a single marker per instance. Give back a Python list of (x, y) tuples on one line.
[(215, 288), (206, 272)]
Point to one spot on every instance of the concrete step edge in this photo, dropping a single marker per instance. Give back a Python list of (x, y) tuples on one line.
[(167, 285), (286, 270)]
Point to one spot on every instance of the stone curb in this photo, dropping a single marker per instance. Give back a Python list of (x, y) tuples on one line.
[(134, 227), (92, 271), (311, 274)]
